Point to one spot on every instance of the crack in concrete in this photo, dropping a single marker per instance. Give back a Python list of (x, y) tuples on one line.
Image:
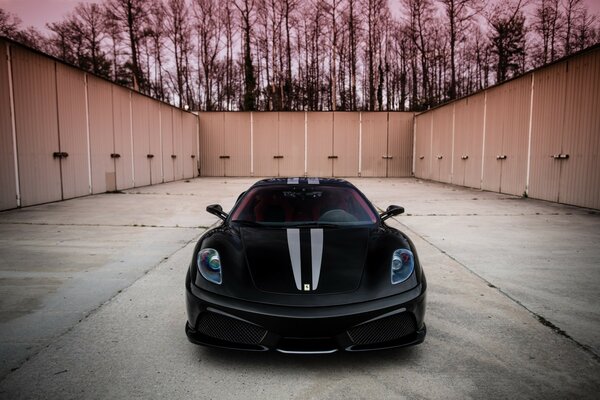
[(99, 307), (540, 318)]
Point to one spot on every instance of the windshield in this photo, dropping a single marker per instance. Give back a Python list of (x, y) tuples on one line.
[(289, 206)]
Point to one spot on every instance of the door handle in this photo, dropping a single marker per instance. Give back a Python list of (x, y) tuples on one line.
[(332, 157), (150, 156), (560, 156), (224, 157), (387, 157), (501, 157), (277, 156), (115, 155)]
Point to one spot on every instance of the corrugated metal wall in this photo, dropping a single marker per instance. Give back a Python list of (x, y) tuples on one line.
[(319, 144), (400, 144), (422, 161), (34, 88), (374, 135), (166, 128), (343, 144), (73, 131), (291, 144), (8, 180), (441, 144), (102, 144), (123, 138), (155, 147), (190, 135), (537, 135), (580, 172), (77, 134), (547, 131), (468, 141), (265, 144), (142, 157), (346, 132)]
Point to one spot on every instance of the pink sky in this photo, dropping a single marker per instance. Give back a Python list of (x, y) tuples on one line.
[(39, 12)]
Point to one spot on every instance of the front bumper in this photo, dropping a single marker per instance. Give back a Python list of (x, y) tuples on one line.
[(220, 321)]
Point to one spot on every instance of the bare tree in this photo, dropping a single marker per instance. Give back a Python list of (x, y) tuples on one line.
[(130, 17), (587, 31), (246, 11), (507, 37), (546, 17), (420, 16), (209, 29), (10, 24), (459, 13)]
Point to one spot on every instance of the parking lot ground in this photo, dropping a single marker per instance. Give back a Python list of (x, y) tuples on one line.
[(512, 310)]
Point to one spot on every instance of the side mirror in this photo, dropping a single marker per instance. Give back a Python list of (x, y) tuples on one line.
[(217, 210), (391, 211)]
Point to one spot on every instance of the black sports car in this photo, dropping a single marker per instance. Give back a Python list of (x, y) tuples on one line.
[(305, 265)]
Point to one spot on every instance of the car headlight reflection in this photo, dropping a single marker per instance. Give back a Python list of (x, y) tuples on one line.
[(209, 265), (403, 264)]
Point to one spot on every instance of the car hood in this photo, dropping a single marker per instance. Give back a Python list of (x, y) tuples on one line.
[(306, 260)]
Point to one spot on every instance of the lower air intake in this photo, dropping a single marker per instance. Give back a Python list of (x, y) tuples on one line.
[(229, 329), (383, 330)]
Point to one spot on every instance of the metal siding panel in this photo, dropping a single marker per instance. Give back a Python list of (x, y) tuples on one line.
[(8, 192), (154, 141), (442, 144), (212, 132), (515, 141), (265, 143), (122, 137), (580, 174), (189, 148), (166, 125), (400, 144), (141, 140), (374, 143), (423, 146), (547, 131), (196, 161), (72, 123), (345, 143), (101, 135), (237, 144), (291, 143), (320, 143), (468, 140), (177, 144), (34, 83), (496, 116)]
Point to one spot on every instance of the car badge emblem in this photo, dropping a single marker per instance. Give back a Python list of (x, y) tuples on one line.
[(307, 287)]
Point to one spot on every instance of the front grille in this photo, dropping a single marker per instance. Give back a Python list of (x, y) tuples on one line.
[(229, 329), (383, 330)]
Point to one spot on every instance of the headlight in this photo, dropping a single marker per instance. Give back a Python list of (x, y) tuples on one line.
[(403, 264), (209, 265)]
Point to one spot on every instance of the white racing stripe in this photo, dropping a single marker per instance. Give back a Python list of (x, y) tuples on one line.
[(316, 252), (293, 238)]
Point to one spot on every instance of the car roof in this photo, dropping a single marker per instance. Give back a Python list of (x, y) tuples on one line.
[(304, 181)]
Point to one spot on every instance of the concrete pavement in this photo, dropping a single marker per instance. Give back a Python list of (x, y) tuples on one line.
[(488, 259)]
